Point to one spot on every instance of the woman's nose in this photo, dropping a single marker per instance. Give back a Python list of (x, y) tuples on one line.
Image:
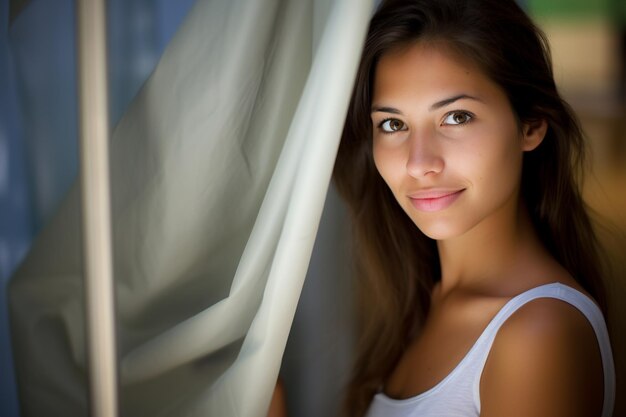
[(425, 155)]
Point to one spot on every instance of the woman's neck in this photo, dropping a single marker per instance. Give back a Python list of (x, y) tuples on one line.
[(496, 256)]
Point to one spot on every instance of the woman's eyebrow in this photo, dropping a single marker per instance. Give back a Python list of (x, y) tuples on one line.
[(385, 110), (451, 100), (435, 106)]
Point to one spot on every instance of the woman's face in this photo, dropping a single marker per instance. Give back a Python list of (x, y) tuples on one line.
[(446, 141)]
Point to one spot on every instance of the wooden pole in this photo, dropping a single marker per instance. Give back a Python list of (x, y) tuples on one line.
[(98, 258)]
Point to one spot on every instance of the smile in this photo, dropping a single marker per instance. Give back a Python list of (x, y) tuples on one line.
[(434, 200)]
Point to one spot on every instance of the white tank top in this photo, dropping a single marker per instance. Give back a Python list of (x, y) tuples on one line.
[(458, 394)]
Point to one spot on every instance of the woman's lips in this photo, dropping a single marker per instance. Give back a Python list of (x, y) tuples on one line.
[(434, 200)]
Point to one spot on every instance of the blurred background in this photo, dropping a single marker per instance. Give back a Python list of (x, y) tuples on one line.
[(38, 116), (588, 39), (39, 158)]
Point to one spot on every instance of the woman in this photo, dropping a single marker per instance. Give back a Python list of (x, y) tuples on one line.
[(480, 284)]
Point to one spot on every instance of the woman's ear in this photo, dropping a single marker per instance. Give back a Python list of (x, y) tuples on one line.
[(533, 134)]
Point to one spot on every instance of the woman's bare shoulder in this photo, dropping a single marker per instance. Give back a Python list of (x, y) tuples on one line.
[(544, 361)]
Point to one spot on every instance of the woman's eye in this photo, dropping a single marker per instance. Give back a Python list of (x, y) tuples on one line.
[(391, 125), (457, 118)]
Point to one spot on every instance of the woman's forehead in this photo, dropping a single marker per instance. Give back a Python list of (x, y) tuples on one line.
[(423, 68)]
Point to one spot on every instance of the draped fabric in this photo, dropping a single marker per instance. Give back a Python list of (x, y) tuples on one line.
[(219, 171)]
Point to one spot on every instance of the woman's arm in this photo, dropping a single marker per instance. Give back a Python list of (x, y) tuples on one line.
[(545, 361), (278, 405)]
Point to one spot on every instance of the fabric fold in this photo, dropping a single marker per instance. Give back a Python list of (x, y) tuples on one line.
[(219, 171)]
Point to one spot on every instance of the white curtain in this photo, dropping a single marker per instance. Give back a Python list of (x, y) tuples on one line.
[(219, 172)]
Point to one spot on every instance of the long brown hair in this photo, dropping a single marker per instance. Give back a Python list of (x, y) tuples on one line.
[(397, 264)]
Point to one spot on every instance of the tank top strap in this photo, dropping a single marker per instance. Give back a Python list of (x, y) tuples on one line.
[(565, 293)]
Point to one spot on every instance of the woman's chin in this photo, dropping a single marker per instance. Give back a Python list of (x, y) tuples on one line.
[(439, 230)]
